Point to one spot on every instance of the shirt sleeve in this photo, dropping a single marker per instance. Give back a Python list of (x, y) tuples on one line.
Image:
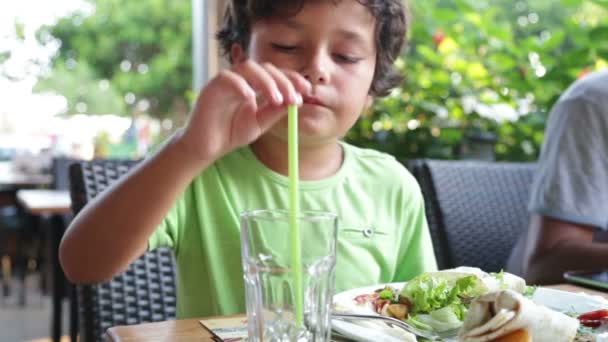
[(571, 182), (168, 232), (418, 255)]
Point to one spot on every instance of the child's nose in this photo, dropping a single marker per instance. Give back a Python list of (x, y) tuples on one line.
[(316, 77), (317, 71)]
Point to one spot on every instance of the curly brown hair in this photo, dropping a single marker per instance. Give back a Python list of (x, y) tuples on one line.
[(390, 37)]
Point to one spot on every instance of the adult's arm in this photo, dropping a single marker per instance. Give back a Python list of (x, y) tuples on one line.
[(555, 246)]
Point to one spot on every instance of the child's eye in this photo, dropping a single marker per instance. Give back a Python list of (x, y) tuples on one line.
[(284, 48), (346, 59)]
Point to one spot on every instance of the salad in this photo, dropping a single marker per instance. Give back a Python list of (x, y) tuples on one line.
[(439, 301), (485, 306)]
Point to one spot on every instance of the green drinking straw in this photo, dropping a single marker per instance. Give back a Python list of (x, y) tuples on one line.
[(294, 205)]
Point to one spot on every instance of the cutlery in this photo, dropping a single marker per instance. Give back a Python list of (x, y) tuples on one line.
[(429, 335)]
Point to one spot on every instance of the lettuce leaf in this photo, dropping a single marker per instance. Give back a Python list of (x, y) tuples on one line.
[(431, 292), (438, 320)]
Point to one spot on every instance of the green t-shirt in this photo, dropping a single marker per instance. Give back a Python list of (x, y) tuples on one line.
[(370, 191)]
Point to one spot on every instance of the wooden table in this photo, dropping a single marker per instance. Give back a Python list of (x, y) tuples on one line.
[(179, 331), (55, 203), (187, 330), (574, 288)]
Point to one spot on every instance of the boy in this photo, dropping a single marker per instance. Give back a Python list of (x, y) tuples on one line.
[(328, 57)]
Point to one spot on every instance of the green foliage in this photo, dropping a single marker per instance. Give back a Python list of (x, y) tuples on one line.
[(4, 56), (468, 56), (84, 92), (142, 47), (472, 67), (19, 30)]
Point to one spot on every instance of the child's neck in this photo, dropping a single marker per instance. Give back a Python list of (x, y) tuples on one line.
[(316, 162)]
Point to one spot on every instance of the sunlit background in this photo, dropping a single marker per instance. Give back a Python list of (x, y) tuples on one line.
[(59, 107), (475, 71)]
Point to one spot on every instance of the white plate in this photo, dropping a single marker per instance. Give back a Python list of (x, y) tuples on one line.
[(555, 299), (366, 331)]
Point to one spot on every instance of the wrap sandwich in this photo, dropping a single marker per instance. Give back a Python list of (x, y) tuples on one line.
[(508, 316)]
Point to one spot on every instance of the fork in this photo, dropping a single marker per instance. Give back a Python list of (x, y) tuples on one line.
[(429, 335)]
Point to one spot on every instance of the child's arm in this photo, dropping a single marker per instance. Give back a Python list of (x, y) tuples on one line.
[(233, 110)]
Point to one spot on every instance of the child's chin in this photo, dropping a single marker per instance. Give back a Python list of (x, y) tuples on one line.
[(312, 127)]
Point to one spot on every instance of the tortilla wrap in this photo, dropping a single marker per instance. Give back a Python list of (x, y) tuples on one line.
[(500, 313)]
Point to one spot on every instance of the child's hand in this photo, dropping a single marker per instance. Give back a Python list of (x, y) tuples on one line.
[(238, 106)]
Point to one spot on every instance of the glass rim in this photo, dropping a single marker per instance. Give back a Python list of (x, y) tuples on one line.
[(283, 214)]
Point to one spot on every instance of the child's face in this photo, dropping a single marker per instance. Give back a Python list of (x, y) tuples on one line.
[(333, 46)]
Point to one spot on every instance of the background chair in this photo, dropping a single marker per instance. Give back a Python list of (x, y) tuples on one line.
[(20, 234), (476, 210), (145, 292), (18, 245)]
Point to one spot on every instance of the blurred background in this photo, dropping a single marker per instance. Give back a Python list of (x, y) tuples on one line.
[(87, 79), (104, 78)]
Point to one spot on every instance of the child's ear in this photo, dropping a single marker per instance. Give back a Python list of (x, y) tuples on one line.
[(237, 54)]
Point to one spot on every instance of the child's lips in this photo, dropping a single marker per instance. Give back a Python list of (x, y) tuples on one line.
[(313, 100)]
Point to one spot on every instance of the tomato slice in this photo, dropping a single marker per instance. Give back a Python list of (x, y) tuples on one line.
[(365, 298), (591, 323), (380, 304), (594, 315)]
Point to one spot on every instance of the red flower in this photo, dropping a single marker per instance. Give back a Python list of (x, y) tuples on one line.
[(438, 37)]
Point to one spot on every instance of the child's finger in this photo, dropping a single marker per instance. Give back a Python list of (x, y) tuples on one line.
[(301, 84), (268, 115), (238, 84), (260, 80), (245, 128), (284, 84)]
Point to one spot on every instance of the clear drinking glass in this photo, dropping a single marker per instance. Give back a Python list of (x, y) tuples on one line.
[(269, 276)]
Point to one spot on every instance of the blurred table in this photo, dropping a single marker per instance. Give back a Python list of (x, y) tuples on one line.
[(13, 179), (55, 203), (575, 288), (45, 202), (192, 330)]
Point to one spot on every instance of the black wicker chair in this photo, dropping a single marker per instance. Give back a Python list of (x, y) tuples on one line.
[(145, 292), (476, 210), (61, 181)]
